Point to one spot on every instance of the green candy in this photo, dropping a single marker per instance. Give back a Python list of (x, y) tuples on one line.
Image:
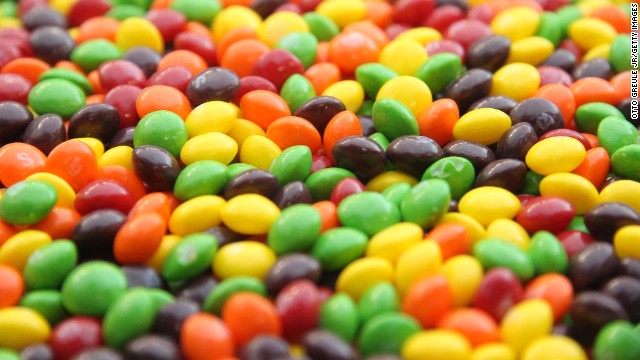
[(620, 53), (458, 172), (295, 230), (198, 10), (130, 316), (393, 119), (397, 192), (589, 116), (296, 91), (27, 202), (225, 289), (380, 139), (339, 315), (205, 177), (91, 54), (372, 76), (322, 182), (190, 257), (92, 287), (366, 108), (500, 253), (48, 266), (322, 27), (550, 27), (439, 71), (144, 4), (427, 203), (577, 224), (302, 45), (164, 129), (532, 183), (47, 303), (567, 15), (8, 9), (617, 341), (8, 354), (338, 247), (124, 12), (385, 334), (358, 210), (625, 162), (234, 170), (616, 132), (547, 253), (68, 75), (57, 96), (379, 299), (292, 164)]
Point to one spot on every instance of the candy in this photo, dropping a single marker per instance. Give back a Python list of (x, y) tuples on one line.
[(386, 333)]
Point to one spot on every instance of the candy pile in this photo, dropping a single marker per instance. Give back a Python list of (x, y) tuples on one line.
[(323, 180)]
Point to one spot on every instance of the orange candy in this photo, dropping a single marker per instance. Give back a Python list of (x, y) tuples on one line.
[(6, 231), (438, 120), (622, 85), (94, 81), (185, 58), (592, 139), (196, 27), (94, 99), (98, 28), (342, 125), (349, 51), (68, 65), (18, 161), (125, 177), (243, 55), (73, 161), (379, 12), (232, 37), (474, 324), (322, 54), (322, 75), (432, 290), (328, 214), (59, 223), (368, 29), (555, 289), (248, 315), (453, 239), (592, 89), (29, 68), (162, 97), (206, 337), (11, 286), (263, 107), (615, 16), (157, 202), (139, 238), (290, 131), (595, 166), (562, 97)]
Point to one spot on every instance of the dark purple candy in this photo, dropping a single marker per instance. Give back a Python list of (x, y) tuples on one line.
[(51, 44), (41, 16), (605, 219), (124, 137), (516, 142), (591, 311), (413, 154), (361, 155), (289, 268), (197, 289), (14, 119), (472, 86), (265, 347), (564, 59), (320, 110), (479, 155), (508, 174), (95, 232), (100, 121), (254, 181), (170, 317), (152, 347), (324, 345), (489, 53), (626, 290), (541, 113), (598, 67), (593, 266), (293, 193), (156, 167), (499, 102), (143, 276), (224, 235), (145, 57), (213, 84)]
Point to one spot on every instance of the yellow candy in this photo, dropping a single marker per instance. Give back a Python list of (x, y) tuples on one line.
[(66, 195), (526, 322), (624, 191), (350, 92), (16, 250), (580, 192), (475, 230), (242, 129), (391, 242), (119, 155), (167, 244), (554, 347), (233, 17), (10, 23), (196, 215), (280, 24), (591, 32), (626, 241), (212, 116), (96, 145), (509, 230), (363, 273), (485, 126), (418, 261), (516, 23), (489, 203), (388, 178), (210, 146), (518, 81), (532, 50), (62, 6), (21, 327), (243, 258), (436, 345), (493, 352), (589, 6), (403, 56), (599, 51), (136, 31), (343, 12), (259, 151), (422, 35), (410, 91), (464, 275), (250, 214), (555, 155)]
